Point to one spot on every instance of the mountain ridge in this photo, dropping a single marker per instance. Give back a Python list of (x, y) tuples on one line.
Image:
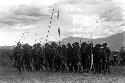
[(115, 42)]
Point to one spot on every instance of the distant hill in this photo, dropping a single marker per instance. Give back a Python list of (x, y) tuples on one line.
[(6, 47), (115, 42)]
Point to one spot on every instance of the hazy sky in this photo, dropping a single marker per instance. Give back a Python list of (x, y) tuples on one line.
[(78, 18)]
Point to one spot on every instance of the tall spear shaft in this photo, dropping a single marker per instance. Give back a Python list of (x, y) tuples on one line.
[(58, 26), (91, 54), (59, 35)]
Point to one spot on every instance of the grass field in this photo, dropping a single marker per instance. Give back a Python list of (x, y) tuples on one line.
[(9, 75)]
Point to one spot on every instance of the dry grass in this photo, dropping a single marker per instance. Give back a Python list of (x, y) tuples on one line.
[(8, 75)]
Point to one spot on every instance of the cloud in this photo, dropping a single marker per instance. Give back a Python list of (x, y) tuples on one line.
[(113, 14), (110, 17), (121, 4), (84, 20), (77, 17), (24, 15), (85, 6), (89, 2), (29, 10), (102, 29)]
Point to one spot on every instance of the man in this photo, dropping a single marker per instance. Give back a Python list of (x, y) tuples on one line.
[(17, 55), (48, 56), (97, 58), (84, 55), (75, 56), (58, 59), (26, 51), (69, 56), (106, 54)]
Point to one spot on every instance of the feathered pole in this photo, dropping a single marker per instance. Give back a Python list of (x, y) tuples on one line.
[(58, 27), (36, 34), (60, 43), (22, 35), (58, 15), (41, 40), (50, 23), (59, 35)]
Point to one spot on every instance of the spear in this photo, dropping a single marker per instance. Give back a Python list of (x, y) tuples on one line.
[(80, 41), (91, 54)]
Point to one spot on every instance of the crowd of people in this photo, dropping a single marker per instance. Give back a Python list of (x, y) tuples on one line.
[(84, 57)]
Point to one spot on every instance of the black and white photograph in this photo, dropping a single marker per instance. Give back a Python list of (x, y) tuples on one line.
[(62, 41)]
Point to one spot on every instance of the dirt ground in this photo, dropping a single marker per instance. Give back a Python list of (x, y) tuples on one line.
[(9, 75)]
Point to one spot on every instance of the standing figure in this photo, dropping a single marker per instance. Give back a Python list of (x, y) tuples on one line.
[(106, 54)]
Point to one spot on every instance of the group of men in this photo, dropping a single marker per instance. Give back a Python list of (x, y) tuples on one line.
[(84, 57)]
